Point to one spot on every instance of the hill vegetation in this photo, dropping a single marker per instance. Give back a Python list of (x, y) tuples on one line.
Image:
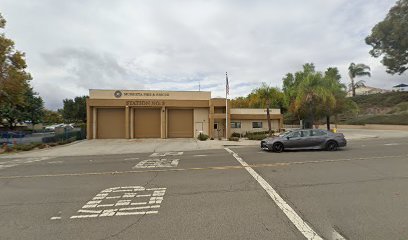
[(381, 108)]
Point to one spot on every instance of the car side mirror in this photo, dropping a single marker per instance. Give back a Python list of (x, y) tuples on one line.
[(287, 138)]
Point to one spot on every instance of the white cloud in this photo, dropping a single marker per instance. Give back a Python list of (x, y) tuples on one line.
[(75, 45)]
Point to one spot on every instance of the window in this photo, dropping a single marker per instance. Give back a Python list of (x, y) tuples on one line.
[(306, 133), (256, 124), (235, 124), (318, 133), (294, 134), (215, 125)]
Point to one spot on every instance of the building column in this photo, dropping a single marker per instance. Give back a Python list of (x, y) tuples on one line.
[(127, 130), (88, 122), (132, 123), (94, 122), (211, 122), (163, 121)]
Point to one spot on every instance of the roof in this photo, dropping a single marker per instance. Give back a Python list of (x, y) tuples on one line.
[(401, 85)]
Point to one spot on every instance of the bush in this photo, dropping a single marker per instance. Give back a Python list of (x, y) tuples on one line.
[(234, 134), (27, 147), (202, 137), (71, 136), (257, 135), (236, 139)]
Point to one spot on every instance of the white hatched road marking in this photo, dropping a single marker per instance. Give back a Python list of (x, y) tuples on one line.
[(19, 161), (166, 154), (201, 155), (101, 205), (157, 163), (299, 223), (55, 218)]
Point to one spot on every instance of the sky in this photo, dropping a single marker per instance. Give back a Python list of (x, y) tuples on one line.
[(76, 45)]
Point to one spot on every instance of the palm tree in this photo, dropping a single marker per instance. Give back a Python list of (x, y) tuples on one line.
[(357, 70), (332, 83), (265, 96), (312, 93)]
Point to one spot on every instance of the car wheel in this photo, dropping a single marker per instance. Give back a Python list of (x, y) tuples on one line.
[(331, 146), (277, 147)]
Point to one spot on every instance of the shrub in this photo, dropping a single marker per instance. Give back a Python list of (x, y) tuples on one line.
[(202, 137), (257, 135), (236, 139), (234, 134)]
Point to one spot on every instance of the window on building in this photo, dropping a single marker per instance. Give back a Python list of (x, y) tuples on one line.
[(235, 124), (215, 125), (256, 124)]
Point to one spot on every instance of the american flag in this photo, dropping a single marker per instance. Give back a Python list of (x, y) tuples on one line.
[(226, 84)]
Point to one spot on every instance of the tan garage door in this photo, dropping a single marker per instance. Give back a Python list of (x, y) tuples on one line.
[(147, 123), (111, 123), (180, 123)]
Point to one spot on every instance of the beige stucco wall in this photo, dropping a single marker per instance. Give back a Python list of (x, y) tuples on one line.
[(201, 121), (253, 111), (149, 94), (246, 126)]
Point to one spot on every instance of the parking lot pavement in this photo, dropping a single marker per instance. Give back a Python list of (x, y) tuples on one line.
[(357, 193)]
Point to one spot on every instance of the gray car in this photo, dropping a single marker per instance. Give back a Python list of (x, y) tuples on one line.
[(305, 139)]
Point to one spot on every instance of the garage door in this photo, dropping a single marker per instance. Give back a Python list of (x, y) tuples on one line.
[(111, 123), (147, 123), (180, 123)]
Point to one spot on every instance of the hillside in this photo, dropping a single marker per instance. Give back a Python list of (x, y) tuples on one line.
[(382, 108)]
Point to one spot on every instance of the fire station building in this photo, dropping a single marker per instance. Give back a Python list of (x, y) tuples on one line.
[(129, 114)]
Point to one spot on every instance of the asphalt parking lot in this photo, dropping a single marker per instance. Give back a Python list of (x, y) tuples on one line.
[(360, 192)]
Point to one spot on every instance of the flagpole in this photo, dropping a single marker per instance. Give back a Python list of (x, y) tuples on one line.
[(226, 105)]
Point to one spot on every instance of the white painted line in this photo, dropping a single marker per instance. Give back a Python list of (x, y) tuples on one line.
[(145, 195), (89, 211), (55, 218), (299, 223), (391, 144), (166, 154), (157, 163), (138, 203), (113, 197), (135, 213), (85, 216), (200, 155), (127, 159), (92, 208), (138, 208), (337, 236)]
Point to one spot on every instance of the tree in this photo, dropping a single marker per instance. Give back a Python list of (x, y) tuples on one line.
[(357, 70), (52, 117), (262, 97), (266, 95), (74, 110), (312, 93), (14, 80), (390, 39), (332, 83), (34, 108)]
